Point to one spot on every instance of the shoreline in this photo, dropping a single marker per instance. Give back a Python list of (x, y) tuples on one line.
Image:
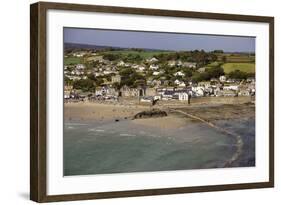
[(102, 112)]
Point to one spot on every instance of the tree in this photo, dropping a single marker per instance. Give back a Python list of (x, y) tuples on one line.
[(111, 57), (131, 57), (99, 81), (84, 85), (215, 72), (197, 77), (187, 72), (218, 51), (237, 74), (224, 59), (67, 80), (129, 77)]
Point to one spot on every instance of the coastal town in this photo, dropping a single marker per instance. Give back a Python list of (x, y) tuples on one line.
[(146, 101), (112, 75)]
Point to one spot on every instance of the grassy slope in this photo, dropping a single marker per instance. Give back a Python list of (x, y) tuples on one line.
[(237, 58), (72, 60), (246, 67)]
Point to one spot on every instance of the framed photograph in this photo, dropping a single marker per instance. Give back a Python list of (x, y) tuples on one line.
[(134, 102)]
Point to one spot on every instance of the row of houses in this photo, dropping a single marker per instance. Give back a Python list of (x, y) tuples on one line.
[(169, 93)]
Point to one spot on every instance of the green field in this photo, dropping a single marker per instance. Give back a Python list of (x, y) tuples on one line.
[(72, 60), (246, 67), (143, 54), (237, 58)]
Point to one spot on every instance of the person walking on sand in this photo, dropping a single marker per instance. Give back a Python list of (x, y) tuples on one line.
[(189, 96)]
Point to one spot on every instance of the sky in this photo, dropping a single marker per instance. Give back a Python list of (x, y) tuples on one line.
[(156, 40)]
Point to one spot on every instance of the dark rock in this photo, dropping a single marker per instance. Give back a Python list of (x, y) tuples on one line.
[(150, 114)]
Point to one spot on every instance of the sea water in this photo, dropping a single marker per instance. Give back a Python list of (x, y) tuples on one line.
[(118, 147)]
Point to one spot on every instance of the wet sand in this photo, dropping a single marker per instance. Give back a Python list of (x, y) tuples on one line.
[(170, 122)]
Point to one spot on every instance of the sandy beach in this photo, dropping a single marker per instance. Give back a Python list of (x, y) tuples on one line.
[(86, 111), (221, 109)]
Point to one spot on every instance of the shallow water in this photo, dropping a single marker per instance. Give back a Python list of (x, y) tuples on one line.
[(246, 129), (115, 147)]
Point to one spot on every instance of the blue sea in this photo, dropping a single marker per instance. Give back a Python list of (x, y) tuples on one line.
[(123, 146)]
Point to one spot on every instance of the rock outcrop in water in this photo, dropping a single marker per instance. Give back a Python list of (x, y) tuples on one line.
[(150, 114)]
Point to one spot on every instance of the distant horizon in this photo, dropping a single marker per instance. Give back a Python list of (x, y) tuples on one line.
[(115, 47), (158, 40)]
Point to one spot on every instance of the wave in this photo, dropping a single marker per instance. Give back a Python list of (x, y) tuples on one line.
[(95, 130), (128, 135)]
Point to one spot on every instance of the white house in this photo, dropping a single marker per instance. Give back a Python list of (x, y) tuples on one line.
[(80, 66), (135, 66), (183, 96), (179, 83), (77, 72), (250, 80), (141, 68), (156, 82), (199, 91), (189, 64), (79, 54), (120, 63), (153, 67), (231, 87), (222, 78), (179, 73), (155, 73), (182, 84), (244, 92), (152, 60), (205, 84), (127, 64), (116, 79), (171, 63), (106, 72), (98, 74), (74, 78)]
